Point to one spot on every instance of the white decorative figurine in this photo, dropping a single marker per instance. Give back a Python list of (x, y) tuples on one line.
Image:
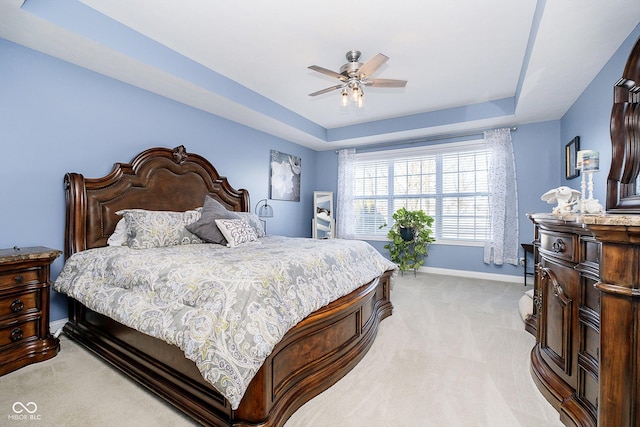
[(565, 198)]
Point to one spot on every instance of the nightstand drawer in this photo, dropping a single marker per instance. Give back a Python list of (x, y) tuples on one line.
[(17, 304), (19, 277), (18, 332)]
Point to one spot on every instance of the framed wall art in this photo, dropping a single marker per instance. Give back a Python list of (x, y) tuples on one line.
[(285, 177), (571, 156)]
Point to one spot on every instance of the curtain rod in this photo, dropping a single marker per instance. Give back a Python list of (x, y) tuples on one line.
[(430, 138)]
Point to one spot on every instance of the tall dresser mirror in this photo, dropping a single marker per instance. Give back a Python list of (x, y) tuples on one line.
[(323, 223), (623, 193)]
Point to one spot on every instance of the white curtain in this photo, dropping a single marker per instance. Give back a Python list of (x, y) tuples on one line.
[(345, 212), (502, 247)]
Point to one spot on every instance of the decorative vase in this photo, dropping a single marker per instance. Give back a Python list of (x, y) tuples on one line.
[(407, 234)]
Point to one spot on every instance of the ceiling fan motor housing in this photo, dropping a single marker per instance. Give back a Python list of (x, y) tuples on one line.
[(351, 68)]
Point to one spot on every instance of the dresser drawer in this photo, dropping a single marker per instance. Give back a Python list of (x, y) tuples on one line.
[(18, 332), (17, 304), (591, 296), (19, 277), (590, 342), (560, 245), (591, 252)]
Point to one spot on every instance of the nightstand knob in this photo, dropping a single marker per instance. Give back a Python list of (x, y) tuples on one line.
[(16, 335), (18, 279), (16, 306)]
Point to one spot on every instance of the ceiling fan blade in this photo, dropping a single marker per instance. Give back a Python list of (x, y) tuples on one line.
[(327, 72), (385, 83), (329, 89), (372, 65)]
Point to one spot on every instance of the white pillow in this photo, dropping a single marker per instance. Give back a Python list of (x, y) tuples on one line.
[(254, 221), (119, 236), (236, 231)]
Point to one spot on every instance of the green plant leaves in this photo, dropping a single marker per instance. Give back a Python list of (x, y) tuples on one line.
[(410, 254)]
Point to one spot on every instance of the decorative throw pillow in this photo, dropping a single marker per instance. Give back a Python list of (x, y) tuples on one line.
[(119, 236), (254, 221), (206, 228), (153, 229), (236, 231)]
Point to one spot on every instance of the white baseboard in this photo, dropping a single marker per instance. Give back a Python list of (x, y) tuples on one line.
[(473, 274)]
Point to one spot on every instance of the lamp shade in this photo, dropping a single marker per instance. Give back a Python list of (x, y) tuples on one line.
[(588, 161), (265, 210)]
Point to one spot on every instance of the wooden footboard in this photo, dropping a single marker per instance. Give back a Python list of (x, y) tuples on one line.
[(311, 357)]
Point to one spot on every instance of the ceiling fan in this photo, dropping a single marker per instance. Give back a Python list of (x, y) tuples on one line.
[(354, 75)]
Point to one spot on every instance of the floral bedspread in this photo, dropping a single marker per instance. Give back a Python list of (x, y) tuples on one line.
[(226, 308)]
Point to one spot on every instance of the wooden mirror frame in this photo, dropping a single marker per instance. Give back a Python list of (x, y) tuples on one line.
[(622, 192)]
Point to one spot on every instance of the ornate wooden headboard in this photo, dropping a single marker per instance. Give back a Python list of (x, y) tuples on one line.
[(157, 179), (622, 190)]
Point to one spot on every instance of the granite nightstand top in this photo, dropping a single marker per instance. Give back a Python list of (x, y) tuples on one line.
[(30, 253)]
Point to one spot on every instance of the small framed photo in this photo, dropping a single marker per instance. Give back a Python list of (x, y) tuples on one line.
[(571, 158)]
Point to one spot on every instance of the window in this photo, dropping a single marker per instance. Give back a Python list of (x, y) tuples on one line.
[(447, 181)]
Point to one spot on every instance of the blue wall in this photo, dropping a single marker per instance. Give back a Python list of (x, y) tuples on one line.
[(59, 118)]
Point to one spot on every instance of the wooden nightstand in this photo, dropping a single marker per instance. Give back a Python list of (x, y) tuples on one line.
[(24, 307)]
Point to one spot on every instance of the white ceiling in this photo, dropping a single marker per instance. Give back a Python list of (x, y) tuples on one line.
[(535, 56)]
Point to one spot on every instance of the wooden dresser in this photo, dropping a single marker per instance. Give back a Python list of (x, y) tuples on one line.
[(586, 360), (24, 307)]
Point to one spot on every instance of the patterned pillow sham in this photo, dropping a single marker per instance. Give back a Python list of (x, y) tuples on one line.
[(237, 231), (155, 229), (205, 228), (254, 221)]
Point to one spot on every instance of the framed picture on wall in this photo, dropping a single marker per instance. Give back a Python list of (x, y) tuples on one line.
[(571, 158), (285, 177)]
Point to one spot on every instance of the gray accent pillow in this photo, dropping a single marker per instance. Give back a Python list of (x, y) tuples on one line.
[(205, 228), (156, 229)]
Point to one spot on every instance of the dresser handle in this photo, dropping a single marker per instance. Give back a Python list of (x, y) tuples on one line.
[(16, 306), (558, 246), (16, 335), (18, 279)]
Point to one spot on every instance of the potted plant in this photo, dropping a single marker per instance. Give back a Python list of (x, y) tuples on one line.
[(409, 238)]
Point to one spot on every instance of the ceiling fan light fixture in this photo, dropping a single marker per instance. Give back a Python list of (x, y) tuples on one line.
[(344, 97), (360, 101), (355, 92)]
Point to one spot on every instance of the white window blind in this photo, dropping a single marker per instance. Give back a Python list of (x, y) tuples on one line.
[(446, 181)]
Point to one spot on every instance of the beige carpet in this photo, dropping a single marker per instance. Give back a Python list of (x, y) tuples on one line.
[(454, 354)]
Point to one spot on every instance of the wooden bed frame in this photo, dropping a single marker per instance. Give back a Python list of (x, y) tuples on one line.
[(311, 357)]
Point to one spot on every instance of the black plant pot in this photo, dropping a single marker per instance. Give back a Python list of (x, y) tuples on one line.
[(407, 234)]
